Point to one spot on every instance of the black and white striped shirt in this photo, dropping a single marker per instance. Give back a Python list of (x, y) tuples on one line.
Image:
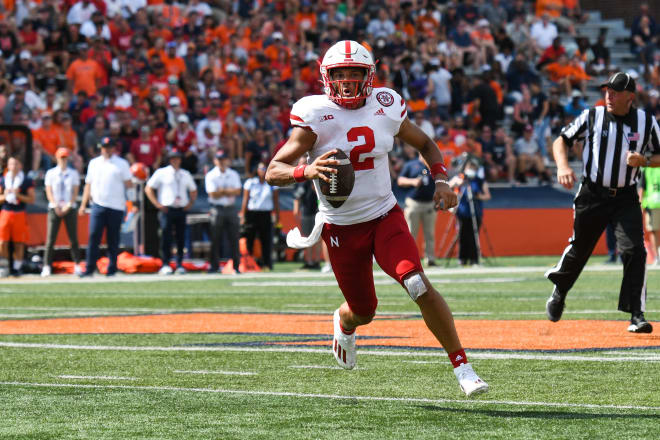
[(607, 140)]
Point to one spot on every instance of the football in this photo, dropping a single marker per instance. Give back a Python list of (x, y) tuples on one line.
[(341, 184)]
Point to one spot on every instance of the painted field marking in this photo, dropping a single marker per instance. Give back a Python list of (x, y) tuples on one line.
[(69, 376), (226, 373), (377, 282), (149, 278), (322, 367), (422, 353), (522, 403)]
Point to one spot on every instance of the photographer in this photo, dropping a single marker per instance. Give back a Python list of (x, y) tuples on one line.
[(416, 178), (469, 212)]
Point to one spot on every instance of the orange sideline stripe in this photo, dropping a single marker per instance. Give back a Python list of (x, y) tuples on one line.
[(384, 331), (511, 232)]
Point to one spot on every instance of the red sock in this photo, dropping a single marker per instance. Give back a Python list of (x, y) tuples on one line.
[(344, 331), (458, 358)]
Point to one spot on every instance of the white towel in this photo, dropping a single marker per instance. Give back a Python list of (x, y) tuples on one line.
[(294, 238), (13, 182)]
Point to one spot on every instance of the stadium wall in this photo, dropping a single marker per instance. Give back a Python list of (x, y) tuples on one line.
[(506, 232)]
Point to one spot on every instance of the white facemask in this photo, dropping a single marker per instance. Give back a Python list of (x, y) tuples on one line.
[(470, 173)]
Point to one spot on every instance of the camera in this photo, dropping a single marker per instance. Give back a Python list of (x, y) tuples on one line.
[(459, 163)]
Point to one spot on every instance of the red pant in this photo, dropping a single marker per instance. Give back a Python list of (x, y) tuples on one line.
[(352, 248)]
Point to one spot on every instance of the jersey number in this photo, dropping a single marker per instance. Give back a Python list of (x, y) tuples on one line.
[(366, 163)]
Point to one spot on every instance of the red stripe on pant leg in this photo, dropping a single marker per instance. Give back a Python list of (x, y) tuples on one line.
[(344, 356)]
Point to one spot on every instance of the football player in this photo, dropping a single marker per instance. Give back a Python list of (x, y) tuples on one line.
[(363, 122)]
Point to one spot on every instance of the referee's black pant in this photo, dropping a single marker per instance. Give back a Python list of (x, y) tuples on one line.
[(595, 206)]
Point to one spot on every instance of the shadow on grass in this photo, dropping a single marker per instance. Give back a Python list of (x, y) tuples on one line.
[(523, 414)]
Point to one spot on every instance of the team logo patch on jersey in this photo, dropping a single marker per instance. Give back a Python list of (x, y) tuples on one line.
[(385, 98)]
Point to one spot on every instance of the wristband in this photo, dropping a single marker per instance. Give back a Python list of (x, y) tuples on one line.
[(299, 173), (441, 181), (438, 168)]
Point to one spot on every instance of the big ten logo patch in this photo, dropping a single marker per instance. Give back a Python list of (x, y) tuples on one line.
[(326, 118)]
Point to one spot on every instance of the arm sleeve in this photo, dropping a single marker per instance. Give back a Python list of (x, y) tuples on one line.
[(48, 179), (192, 186), (655, 137), (209, 184), (396, 111), (302, 114), (576, 129), (154, 180), (126, 171), (405, 171), (90, 173)]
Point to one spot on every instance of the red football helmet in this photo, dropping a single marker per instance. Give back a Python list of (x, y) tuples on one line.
[(139, 171), (348, 53)]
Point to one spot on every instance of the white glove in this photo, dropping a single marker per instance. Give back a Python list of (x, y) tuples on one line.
[(11, 198)]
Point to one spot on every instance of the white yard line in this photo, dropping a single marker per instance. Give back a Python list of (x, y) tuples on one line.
[(147, 278), (325, 350), (321, 367), (412, 400), (69, 376), (377, 282), (226, 373)]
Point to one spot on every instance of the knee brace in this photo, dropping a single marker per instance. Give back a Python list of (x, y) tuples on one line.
[(415, 286)]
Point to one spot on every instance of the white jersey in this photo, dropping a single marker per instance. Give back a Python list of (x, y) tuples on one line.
[(366, 135)]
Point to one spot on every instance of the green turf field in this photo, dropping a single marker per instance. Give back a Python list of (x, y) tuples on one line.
[(281, 384)]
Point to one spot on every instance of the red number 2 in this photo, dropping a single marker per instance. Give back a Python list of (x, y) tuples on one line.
[(365, 163)]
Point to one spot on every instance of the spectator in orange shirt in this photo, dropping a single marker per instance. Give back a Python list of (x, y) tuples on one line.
[(277, 46), (69, 140), (484, 41), (173, 90), (427, 24), (46, 140), (448, 147), (84, 73), (174, 65), (416, 103), (551, 7), (568, 74)]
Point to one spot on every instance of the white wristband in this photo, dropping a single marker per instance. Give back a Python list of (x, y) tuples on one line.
[(441, 181)]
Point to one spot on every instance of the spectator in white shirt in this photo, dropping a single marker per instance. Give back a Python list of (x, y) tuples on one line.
[(62, 183), (543, 32), (381, 27), (176, 195), (80, 12), (260, 200), (222, 185), (96, 27), (108, 177)]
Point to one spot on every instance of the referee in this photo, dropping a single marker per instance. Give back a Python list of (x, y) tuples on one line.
[(618, 139)]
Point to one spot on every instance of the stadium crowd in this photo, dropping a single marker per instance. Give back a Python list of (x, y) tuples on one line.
[(489, 78)]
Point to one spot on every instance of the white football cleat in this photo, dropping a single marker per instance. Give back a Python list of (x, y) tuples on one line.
[(165, 270), (343, 345), (470, 383), (45, 272), (78, 270)]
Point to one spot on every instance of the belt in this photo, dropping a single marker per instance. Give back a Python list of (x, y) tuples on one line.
[(221, 206), (608, 192)]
